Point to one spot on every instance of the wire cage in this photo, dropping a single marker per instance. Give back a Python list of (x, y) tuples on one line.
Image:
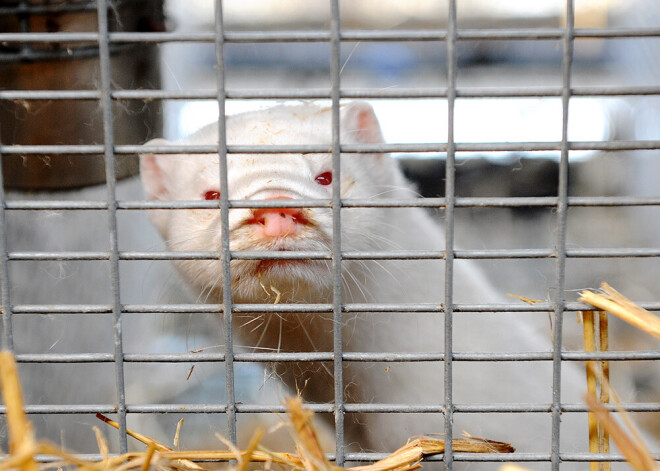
[(76, 262)]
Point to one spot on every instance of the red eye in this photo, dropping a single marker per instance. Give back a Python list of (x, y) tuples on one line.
[(324, 178), (212, 195)]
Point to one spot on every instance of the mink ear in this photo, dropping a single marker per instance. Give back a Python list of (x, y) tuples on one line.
[(155, 175), (153, 171), (359, 123)]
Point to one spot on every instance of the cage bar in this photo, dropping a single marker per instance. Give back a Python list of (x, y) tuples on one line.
[(562, 209), (225, 255), (337, 311), (108, 139)]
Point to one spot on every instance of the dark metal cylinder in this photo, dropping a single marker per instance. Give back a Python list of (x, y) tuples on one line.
[(74, 66)]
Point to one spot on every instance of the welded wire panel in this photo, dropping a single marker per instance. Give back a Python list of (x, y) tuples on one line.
[(226, 401)]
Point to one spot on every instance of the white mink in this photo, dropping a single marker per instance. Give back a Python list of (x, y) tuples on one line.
[(364, 176)]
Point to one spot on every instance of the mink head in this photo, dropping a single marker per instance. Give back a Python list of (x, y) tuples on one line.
[(189, 177)]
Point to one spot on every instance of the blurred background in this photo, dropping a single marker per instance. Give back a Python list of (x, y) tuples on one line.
[(485, 64)]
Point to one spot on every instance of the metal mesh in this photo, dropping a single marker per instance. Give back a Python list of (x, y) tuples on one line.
[(105, 95)]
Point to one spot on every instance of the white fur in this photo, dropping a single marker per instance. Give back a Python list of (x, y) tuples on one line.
[(188, 177)]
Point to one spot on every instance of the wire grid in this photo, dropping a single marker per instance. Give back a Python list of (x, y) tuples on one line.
[(105, 95)]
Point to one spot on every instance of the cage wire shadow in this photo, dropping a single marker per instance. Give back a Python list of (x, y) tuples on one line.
[(105, 41)]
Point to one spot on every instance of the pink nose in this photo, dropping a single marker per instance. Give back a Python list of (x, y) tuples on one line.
[(278, 222)]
